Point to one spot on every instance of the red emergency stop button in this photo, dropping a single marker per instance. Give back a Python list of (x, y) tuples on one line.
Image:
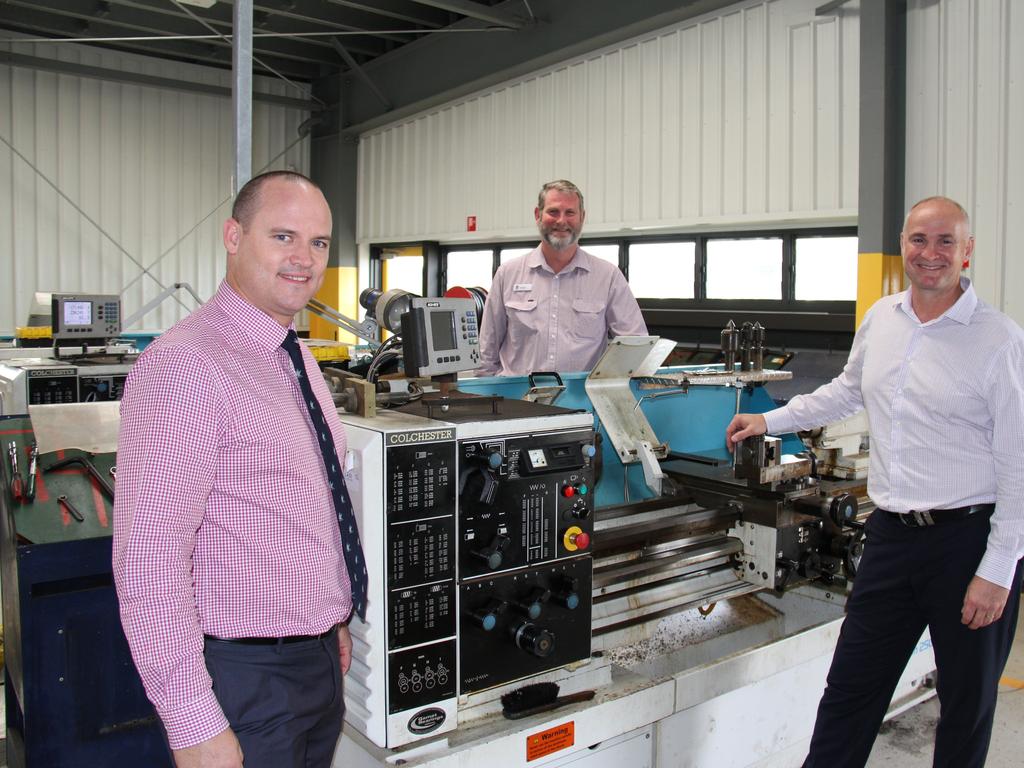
[(575, 538), (568, 491)]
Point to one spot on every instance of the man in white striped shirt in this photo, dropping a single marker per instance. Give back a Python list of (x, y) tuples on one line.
[(941, 376)]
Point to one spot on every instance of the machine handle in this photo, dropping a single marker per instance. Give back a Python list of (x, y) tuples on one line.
[(532, 378)]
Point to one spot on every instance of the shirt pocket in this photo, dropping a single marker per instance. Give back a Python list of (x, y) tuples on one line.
[(523, 319), (588, 320)]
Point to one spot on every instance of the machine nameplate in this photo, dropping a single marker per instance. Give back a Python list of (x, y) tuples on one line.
[(421, 436), (40, 372)]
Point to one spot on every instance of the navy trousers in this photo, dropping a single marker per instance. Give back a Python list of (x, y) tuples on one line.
[(284, 701), (909, 579)]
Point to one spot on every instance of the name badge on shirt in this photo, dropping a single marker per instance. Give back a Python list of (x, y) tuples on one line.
[(522, 287)]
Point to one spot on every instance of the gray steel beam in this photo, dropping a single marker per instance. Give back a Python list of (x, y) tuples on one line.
[(134, 78), (829, 8), (442, 67), (241, 91), (354, 66), (393, 10), (883, 88), (212, 52), (475, 11)]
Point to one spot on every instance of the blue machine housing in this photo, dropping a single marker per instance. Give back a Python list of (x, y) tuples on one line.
[(690, 423)]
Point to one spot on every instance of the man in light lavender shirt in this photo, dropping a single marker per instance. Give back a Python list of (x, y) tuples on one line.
[(555, 308), (941, 376)]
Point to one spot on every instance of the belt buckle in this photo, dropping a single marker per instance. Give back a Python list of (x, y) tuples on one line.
[(922, 519)]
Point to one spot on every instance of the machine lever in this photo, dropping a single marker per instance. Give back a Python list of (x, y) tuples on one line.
[(490, 488)]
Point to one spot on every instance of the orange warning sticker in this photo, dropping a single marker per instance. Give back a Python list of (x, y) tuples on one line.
[(550, 741)]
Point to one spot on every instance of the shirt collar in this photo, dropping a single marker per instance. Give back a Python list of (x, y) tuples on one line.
[(252, 323), (580, 260), (961, 312)]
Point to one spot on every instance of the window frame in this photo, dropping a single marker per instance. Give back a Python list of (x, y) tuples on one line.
[(830, 321)]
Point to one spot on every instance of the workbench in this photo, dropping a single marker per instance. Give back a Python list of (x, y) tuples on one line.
[(73, 697)]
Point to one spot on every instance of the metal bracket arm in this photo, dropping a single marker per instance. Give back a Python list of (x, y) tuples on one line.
[(368, 329)]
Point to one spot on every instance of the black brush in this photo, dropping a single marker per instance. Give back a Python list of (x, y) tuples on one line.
[(536, 698)]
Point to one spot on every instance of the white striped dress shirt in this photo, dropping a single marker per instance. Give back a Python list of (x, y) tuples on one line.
[(945, 403)]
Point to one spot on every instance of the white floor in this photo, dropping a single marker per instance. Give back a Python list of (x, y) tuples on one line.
[(906, 741)]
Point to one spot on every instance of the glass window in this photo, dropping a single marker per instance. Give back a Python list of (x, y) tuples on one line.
[(662, 270), (470, 269), (405, 272), (510, 253), (744, 269), (609, 253), (826, 269)]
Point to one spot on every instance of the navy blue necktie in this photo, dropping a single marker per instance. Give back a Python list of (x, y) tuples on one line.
[(353, 550)]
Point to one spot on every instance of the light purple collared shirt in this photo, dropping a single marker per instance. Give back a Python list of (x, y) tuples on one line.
[(945, 404), (224, 523), (537, 320)]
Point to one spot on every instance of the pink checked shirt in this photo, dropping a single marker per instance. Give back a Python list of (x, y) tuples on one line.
[(223, 520)]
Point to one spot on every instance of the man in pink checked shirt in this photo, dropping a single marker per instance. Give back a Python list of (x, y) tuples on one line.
[(227, 559)]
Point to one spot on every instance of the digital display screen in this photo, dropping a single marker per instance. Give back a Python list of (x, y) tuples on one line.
[(77, 313), (442, 331)]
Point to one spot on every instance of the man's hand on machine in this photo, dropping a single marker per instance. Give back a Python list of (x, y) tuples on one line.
[(742, 426)]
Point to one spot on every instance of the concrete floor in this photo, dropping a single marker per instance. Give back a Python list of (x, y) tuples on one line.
[(906, 741)]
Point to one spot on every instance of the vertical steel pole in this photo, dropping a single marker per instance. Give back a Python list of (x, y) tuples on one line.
[(241, 90)]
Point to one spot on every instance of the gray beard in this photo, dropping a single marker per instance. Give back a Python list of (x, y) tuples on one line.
[(559, 242)]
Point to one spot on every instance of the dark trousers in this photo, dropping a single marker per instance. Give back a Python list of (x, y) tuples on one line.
[(284, 701), (909, 579)]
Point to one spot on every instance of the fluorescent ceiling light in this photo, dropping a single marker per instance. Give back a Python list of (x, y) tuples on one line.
[(199, 3)]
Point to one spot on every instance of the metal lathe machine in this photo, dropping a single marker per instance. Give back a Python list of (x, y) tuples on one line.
[(609, 544), (593, 533)]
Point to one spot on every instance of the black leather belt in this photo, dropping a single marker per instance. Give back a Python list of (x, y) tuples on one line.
[(922, 519), (272, 640)]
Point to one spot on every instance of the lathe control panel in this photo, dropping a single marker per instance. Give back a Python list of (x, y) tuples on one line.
[(477, 544), (524, 500), (525, 528)]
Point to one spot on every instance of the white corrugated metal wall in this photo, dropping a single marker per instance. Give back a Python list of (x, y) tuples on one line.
[(965, 120), (746, 116), (147, 165)]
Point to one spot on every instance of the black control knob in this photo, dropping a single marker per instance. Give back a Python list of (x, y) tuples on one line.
[(843, 509), (491, 458), (533, 639), (580, 510), (493, 554), (854, 553), (567, 594), (487, 616), (533, 603)]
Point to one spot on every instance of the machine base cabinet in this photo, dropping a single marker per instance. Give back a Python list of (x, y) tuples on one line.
[(738, 696)]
